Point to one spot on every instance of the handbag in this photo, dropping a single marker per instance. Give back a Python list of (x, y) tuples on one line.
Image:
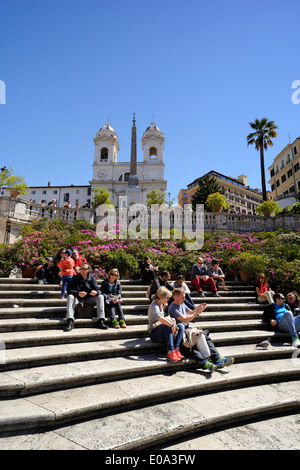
[(84, 310)]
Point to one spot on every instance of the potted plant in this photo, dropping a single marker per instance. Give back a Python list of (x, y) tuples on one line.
[(251, 267), (216, 202), (267, 208), (16, 185)]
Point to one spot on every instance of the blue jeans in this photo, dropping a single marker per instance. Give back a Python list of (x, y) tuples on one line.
[(163, 333), (115, 308), (65, 283), (290, 324)]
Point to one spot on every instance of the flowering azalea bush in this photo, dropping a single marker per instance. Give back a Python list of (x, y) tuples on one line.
[(277, 254)]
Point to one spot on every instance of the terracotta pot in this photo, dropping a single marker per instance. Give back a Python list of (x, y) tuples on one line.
[(14, 193), (28, 272), (244, 276)]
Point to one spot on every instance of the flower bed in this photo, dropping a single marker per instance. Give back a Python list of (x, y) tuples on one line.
[(277, 254)]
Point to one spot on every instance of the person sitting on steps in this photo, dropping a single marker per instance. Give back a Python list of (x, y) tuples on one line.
[(264, 294), (217, 274), (84, 288), (278, 316), (163, 328), (179, 311), (111, 289), (199, 277)]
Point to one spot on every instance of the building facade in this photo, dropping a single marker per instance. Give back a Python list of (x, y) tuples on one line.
[(114, 175), (285, 175), (240, 198), (109, 173)]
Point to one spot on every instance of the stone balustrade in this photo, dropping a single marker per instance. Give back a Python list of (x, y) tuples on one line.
[(14, 213)]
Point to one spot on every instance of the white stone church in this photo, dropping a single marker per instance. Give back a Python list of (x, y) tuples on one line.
[(110, 173)]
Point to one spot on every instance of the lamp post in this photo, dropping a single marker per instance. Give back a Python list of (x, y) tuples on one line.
[(2, 171)]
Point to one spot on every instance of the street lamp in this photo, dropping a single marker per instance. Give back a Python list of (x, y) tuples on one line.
[(2, 171)]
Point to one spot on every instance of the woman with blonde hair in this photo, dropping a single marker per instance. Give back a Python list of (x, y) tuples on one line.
[(112, 291), (263, 290), (162, 328)]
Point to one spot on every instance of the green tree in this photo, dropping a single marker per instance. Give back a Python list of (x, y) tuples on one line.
[(102, 196), (264, 131), (10, 181), (206, 185), (216, 202), (156, 197)]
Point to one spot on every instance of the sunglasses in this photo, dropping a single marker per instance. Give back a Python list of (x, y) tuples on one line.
[(84, 269)]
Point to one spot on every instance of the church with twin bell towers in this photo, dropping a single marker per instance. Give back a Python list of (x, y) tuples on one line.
[(132, 179)]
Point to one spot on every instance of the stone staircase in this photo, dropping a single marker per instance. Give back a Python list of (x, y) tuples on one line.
[(114, 390)]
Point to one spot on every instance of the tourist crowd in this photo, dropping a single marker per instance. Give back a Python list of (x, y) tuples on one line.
[(171, 307)]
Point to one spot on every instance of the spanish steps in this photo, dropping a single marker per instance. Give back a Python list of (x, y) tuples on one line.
[(114, 389)]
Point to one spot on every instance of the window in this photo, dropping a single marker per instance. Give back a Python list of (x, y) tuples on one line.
[(272, 172), (277, 183), (55, 191), (289, 173), (66, 197), (283, 178), (104, 154), (296, 167), (32, 192), (295, 150), (124, 177), (44, 192)]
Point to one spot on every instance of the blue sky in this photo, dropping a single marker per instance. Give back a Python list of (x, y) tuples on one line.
[(202, 70)]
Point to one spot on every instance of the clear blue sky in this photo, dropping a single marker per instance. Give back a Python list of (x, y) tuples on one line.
[(202, 69)]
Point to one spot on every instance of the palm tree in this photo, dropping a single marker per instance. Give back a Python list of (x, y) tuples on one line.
[(264, 132)]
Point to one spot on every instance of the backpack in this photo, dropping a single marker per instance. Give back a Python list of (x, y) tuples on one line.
[(194, 337)]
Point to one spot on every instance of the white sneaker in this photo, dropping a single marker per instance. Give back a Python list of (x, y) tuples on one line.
[(296, 343)]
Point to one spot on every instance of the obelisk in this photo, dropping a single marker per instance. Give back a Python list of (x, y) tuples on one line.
[(133, 178), (133, 192)]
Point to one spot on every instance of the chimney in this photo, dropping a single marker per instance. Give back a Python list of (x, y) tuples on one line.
[(243, 179)]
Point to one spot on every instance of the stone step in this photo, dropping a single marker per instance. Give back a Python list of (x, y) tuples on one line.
[(61, 407), (229, 310), (211, 322), (127, 303), (55, 293), (86, 330), (18, 357), (122, 375)]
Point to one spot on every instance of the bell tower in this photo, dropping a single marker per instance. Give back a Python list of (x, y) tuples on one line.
[(106, 149), (153, 143)]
